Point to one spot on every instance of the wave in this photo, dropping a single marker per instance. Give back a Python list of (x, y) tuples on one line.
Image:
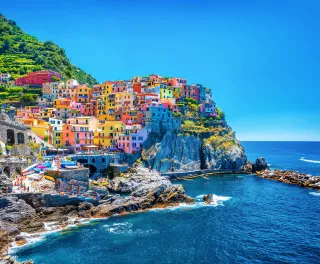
[(315, 193), (216, 200), (307, 160), (127, 228)]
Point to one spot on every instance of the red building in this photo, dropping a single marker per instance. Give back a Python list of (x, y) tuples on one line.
[(36, 78), (137, 87)]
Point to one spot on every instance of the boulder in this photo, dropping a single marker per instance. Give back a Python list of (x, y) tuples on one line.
[(259, 165)]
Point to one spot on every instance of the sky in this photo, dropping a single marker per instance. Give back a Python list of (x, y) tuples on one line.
[(260, 58)]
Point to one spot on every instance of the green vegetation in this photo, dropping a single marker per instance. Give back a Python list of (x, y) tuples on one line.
[(225, 141), (24, 96), (21, 53), (220, 114)]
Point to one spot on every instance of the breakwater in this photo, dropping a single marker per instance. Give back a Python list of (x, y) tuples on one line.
[(292, 177)]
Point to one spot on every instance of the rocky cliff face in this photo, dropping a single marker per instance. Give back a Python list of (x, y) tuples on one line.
[(195, 145)]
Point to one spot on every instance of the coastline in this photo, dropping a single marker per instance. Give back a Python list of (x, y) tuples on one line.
[(123, 205), (147, 191)]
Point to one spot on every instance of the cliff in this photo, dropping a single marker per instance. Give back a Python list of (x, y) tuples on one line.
[(194, 143)]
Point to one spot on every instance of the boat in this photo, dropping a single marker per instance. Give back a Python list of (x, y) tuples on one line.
[(67, 163), (71, 167), (49, 178)]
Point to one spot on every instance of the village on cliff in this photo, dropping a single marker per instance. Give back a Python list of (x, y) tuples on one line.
[(76, 131), (113, 116)]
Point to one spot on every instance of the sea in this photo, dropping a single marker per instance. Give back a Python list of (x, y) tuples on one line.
[(251, 220)]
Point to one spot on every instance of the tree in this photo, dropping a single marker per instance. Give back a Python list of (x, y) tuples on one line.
[(6, 45), (27, 99)]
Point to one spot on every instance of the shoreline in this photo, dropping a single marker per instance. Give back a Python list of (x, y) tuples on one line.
[(27, 216)]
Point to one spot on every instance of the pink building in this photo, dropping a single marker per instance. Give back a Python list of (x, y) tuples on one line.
[(191, 91), (78, 132), (178, 82), (131, 141), (78, 106), (170, 103)]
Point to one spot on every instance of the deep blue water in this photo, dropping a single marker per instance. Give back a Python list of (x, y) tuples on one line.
[(298, 156), (253, 220)]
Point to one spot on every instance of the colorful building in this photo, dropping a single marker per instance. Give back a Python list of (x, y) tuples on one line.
[(131, 141), (107, 134), (37, 78), (78, 132)]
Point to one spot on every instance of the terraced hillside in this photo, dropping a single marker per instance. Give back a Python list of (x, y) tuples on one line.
[(21, 53)]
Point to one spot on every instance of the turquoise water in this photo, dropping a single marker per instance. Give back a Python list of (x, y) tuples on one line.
[(252, 220)]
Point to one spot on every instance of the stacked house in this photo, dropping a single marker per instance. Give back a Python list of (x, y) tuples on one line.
[(114, 115)]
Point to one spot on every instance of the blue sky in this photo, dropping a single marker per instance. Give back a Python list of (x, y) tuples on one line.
[(260, 58)]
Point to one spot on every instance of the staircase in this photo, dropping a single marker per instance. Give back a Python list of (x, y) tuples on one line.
[(39, 140)]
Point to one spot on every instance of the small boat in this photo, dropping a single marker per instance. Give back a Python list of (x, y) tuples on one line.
[(49, 178), (205, 177), (71, 167)]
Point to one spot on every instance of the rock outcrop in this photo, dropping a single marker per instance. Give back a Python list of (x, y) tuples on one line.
[(292, 177), (176, 151), (259, 165)]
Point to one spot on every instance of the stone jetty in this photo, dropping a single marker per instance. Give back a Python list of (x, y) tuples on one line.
[(291, 177)]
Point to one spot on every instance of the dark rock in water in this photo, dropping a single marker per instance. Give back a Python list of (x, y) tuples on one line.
[(248, 167), (20, 238), (208, 198), (259, 165)]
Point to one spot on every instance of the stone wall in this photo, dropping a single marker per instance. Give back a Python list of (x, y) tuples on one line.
[(12, 132), (73, 181), (11, 165)]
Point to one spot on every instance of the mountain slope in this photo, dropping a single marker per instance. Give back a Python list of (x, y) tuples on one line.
[(21, 53)]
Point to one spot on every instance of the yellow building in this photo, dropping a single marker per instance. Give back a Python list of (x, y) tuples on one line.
[(166, 93), (46, 113), (106, 88), (124, 101), (107, 134), (39, 127)]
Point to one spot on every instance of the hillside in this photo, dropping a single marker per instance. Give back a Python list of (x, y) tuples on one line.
[(21, 53)]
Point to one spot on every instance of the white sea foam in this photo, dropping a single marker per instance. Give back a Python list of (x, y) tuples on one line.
[(199, 202), (315, 193), (307, 160), (127, 228), (216, 200)]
